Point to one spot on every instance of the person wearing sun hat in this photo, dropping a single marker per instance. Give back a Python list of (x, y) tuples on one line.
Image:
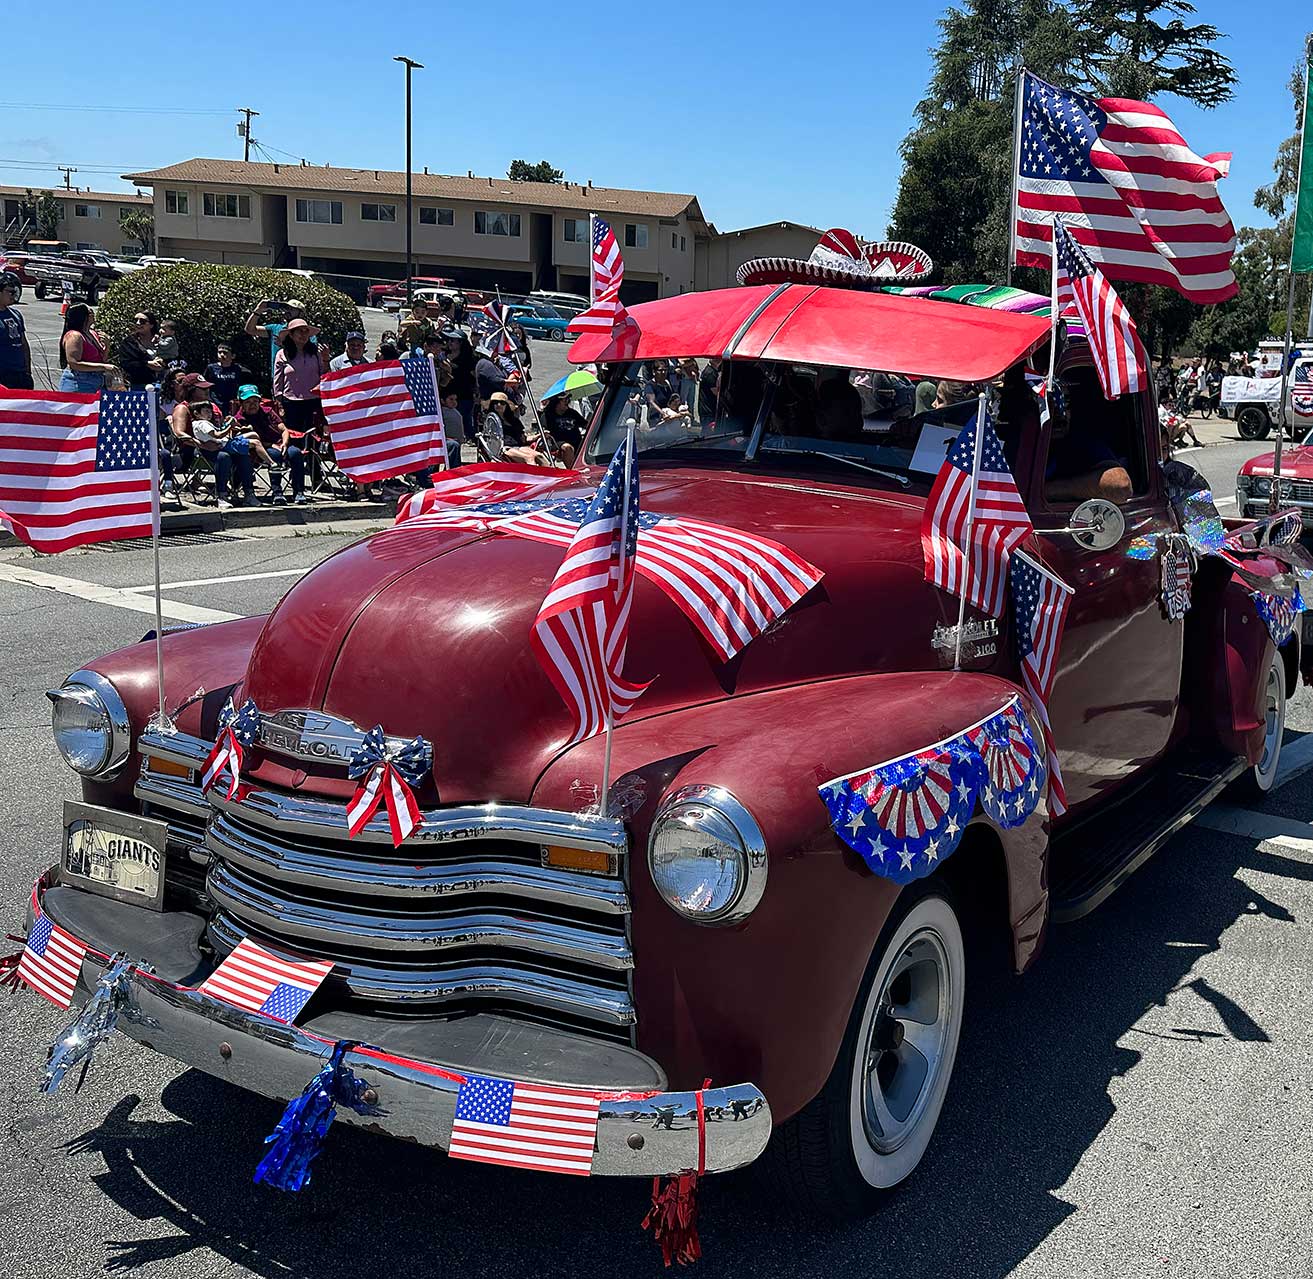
[(297, 369), (259, 421)]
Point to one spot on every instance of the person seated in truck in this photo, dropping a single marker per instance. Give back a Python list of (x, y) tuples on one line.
[(1081, 463), (838, 410)]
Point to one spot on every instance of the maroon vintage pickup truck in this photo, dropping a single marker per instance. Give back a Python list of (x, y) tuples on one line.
[(716, 926)]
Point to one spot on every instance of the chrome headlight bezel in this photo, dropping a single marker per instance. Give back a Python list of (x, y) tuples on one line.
[(715, 814), (1244, 484), (1262, 486), (93, 691)]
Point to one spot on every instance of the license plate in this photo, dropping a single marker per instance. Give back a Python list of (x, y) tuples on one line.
[(118, 855)]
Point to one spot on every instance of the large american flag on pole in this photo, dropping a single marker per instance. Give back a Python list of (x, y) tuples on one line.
[(385, 418), (606, 312), (1119, 355), (1142, 204), (973, 519), (1039, 610), (75, 469), (525, 1125), (582, 629)]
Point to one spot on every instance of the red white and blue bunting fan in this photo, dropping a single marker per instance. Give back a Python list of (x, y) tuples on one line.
[(1279, 614), (905, 816), (238, 730), (386, 777)]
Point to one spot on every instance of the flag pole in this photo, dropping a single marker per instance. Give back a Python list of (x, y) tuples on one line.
[(1274, 500), (1016, 171), (1053, 317), (970, 531), (592, 266), (624, 534), (437, 399), (162, 723), (524, 381)]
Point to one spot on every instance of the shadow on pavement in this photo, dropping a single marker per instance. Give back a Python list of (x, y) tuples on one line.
[(1029, 1098)]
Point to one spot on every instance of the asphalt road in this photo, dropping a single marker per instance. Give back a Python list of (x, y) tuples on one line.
[(1138, 1104)]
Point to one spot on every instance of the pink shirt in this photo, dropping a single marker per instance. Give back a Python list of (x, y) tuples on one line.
[(297, 378)]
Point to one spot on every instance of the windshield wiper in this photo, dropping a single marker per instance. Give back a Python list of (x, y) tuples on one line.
[(840, 457)]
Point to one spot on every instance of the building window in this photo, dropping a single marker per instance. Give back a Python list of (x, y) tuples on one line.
[(378, 212), (429, 216), (85, 244), (682, 248), (176, 202), (129, 250), (86, 210), (635, 235), (319, 211), (576, 230), (674, 240), (221, 204), (496, 223)]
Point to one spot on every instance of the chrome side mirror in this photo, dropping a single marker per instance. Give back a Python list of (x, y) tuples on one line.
[(1096, 525)]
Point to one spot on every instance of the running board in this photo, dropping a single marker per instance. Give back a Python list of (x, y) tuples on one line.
[(1089, 861)]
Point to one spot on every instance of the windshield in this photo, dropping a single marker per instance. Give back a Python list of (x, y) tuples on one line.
[(894, 424)]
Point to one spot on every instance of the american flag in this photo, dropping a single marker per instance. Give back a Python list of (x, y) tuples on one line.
[(277, 984), (75, 469), (498, 339), (51, 961), (525, 1125), (966, 550), (1144, 206), (488, 482), (1039, 606), (582, 629), (607, 312), (385, 418), (1301, 389), (1119, 355)]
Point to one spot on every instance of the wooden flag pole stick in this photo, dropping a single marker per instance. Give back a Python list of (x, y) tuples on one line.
[(163, 723), (970, 532), (624, 533)]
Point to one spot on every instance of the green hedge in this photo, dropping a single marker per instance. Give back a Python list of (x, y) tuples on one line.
[(210, 304)]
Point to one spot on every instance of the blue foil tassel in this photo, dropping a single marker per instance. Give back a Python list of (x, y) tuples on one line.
[(299, 1136)]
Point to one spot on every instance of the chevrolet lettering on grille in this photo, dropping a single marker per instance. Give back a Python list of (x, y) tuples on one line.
[(314, 736)]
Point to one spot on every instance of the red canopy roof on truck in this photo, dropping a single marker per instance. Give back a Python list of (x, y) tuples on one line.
[(813, 325)]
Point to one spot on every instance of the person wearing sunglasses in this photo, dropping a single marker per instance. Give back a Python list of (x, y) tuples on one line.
[(137, 358), (15, 354)]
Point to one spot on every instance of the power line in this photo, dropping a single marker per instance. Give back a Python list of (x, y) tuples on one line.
[(65, 106), (50, 164)]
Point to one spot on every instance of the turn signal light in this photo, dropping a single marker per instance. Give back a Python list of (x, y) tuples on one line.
[(589, 859), (170, 768)]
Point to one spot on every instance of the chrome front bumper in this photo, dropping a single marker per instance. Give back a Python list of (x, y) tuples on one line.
[(639, 1133)]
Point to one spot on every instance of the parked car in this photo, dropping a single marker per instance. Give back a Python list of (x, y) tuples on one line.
[(541, 321), (1255, 402), (1253, 485), (34, 249), (394, 291), (709, 920), (572, 303), (85, 272)]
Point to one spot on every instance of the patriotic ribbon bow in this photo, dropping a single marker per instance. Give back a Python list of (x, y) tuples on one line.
[(238, 729), (386, 777)]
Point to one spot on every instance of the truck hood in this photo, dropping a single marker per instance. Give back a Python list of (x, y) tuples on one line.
[(1296, 463), (427, 631)]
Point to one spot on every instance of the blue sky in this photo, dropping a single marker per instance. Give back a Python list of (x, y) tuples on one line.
[(763, 112)]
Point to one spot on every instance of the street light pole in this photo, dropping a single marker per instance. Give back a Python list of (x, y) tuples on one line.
[(410, 65)]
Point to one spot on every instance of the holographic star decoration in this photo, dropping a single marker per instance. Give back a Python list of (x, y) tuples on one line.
[(1192, 501)]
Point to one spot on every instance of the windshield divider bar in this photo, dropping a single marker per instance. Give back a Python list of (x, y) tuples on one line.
[(751, 320)]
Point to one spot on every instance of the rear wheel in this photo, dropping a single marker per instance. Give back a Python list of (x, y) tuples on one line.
[(558, 335), (869, 1126), (1252, 423), (40, 290)]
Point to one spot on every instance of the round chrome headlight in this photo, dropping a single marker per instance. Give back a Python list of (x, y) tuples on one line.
[(90, 724), (707, 856), (1263, 485)]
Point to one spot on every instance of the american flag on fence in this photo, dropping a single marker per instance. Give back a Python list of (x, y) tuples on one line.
[(606, 312), (385, 418), (1142, 204), (75, 469), (51, 961), (279, 985), (582, 629), (525, 1125), (1039, 607), (966, 551), (1119, 355)]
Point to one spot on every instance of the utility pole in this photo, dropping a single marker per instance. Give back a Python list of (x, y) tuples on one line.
[(248, 112), (410, 65), (68, 173)]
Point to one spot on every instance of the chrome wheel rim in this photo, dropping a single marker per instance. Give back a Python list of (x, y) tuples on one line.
[(908, 1040), (1272, 721)]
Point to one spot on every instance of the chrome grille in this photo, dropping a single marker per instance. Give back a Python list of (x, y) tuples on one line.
[(463, 916)]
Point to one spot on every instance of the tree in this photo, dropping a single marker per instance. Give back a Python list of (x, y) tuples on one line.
[(139, 224), (523, 171), (44, 211)]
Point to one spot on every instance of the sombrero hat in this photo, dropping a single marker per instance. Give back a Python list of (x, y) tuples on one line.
[(841, 259)]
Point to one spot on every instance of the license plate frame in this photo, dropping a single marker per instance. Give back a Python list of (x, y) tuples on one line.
[(117, 855)]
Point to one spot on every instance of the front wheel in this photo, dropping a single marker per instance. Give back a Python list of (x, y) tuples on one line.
[(1252, 423), (40, 290), (558, 335), (1258, 781), (869, 1126)]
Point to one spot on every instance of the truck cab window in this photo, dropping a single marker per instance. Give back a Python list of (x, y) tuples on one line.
[(1096, 447)]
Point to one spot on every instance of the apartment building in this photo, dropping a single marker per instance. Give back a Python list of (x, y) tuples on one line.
[(88, 219), (477, 231), (721, 254)]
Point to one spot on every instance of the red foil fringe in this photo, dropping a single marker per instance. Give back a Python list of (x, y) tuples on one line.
[(673, 1216)]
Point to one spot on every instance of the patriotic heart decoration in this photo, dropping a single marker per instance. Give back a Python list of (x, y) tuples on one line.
[(238, 730), (386, 777), (905, 816)]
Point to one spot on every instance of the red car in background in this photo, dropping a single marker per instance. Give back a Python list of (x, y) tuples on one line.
[(378, 294)]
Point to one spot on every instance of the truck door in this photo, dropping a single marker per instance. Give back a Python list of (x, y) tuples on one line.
[(1117, 691)]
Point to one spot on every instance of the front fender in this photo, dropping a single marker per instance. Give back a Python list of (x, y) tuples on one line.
[(771, 997)]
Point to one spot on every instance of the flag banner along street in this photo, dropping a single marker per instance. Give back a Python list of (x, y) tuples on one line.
[(606, 311), (1137, 199), (1039, 605), (385, 418), (966, 545), (277, 984), (1119, 355), (51, 961), (75, 469), (1301, 255), (525, 1125)]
